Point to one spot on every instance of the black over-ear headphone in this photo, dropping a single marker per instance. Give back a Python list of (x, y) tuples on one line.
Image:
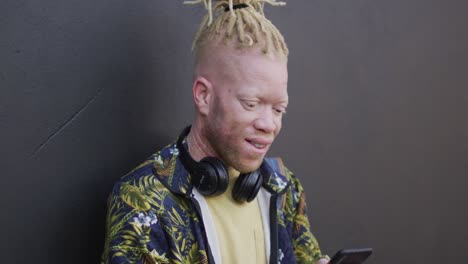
[(211, 177)]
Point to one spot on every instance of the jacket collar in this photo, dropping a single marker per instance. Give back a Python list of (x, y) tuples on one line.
[(274, 179), (169, 170)]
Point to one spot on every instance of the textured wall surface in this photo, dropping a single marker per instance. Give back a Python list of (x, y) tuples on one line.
[(376, 128)]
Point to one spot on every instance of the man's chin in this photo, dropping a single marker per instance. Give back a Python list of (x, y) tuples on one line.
[(249, 166)]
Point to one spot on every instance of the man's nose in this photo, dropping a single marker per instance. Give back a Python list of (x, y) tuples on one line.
[(266, 121)]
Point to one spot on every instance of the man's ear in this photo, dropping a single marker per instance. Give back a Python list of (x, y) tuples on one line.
[(202, 92)]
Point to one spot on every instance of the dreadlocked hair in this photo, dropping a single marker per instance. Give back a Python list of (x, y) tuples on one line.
[(248, 24)]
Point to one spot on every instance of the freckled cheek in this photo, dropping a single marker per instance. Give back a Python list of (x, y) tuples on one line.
[(238, 130), (243, 120)]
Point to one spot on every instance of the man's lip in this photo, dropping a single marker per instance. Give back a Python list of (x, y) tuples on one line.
[(260, 141)]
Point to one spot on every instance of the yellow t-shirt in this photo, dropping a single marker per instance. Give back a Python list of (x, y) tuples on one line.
[(238, 226)]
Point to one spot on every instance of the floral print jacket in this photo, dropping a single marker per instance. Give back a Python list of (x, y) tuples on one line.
[(155, 216)]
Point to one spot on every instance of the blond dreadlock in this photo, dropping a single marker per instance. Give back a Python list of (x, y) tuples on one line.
[(249, 24)]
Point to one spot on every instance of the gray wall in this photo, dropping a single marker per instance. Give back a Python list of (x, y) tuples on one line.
[(376, 128)]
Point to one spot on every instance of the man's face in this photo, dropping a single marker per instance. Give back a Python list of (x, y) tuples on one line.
[(246, 109)]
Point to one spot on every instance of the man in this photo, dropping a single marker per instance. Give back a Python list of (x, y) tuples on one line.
[(213, 197)]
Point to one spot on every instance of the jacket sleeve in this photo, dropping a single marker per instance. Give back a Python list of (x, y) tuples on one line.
[(133, 232), (306, 247)]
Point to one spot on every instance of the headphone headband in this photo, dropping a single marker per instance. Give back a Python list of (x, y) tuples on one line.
[(184, 156)]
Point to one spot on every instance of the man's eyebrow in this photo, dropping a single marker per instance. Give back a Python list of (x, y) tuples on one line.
[(284, 101)]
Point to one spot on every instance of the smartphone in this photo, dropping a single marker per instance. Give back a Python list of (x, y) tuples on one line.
[(351, 256)]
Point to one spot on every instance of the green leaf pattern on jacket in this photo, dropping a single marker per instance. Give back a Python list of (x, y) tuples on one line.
[(151, 220)]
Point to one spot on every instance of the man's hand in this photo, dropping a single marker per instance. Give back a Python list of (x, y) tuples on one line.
[(322, 261)]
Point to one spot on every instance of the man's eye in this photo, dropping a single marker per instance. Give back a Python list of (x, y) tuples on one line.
[(280, 111), (250, 104)]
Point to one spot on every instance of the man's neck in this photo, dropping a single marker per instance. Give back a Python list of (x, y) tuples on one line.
[(198, 146)]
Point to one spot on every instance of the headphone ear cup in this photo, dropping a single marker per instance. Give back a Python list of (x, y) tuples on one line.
[(247, 186), (213, 177)]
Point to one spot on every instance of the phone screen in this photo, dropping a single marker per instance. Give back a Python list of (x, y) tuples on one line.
[(351, 256)]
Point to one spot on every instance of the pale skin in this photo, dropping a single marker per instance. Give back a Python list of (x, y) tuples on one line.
[(240, 98)]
